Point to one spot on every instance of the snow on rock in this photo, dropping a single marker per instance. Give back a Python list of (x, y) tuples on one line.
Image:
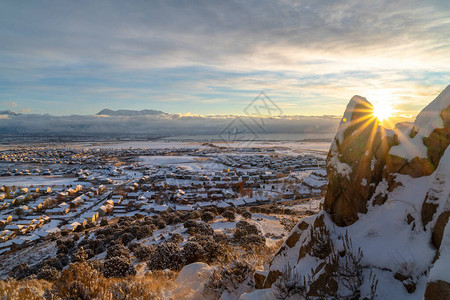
[(421, 146), (191, 279), (384, 218), (264, 294)]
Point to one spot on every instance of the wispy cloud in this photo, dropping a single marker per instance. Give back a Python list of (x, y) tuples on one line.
[(11, 104)]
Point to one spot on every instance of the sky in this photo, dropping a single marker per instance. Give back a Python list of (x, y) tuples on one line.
[(215, 57)]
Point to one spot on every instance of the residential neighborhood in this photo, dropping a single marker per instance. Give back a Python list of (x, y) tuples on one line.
[(46, 191)]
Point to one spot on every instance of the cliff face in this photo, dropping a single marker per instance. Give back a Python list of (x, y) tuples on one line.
[(385, 213)]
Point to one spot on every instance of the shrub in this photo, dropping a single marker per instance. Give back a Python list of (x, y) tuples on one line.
[(200, 228), (83, 281), (48, 273), (207, 216), (80, 256), (23, 289), (176, 238), (20, 271), (228, 278), (288, 224), (229, 215), (212, 210), (78, 291), (160, 224), (247, 215), (190, 223), (143, 252), (63, 259), (126, 238), (321, 242), (117, 250), (192, 252), (193, 215), (104, 222), (350, 269), (247, 235), (118, 266), (166, 256), (96, 265), (68, 243), (62, 249), (54, 262), (220, 237), (211, 249), (289, 283), (249, 228), (251, 240)]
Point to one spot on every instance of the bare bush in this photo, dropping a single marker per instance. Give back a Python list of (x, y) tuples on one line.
[(227, 278), (322, 245), (290, 283)]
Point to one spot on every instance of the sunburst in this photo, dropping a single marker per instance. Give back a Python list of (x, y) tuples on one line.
[(382, 110)]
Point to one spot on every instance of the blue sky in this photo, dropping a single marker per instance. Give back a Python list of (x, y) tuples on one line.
[(214, 57)]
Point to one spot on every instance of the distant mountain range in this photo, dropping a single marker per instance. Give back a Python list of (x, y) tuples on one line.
[(128, 113)]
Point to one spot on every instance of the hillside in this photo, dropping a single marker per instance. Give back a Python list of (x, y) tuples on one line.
[(383, 232)]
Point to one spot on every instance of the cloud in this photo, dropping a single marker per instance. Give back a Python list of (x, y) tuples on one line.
[(9, 104), (160, 125), (220, 52)]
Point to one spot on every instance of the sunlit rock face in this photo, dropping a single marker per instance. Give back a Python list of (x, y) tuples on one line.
[(389, 194), (355, 162)]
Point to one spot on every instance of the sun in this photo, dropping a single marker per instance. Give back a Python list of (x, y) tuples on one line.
[(382, 110)]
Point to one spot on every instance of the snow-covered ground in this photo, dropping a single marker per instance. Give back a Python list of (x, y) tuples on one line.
[(40, 181)]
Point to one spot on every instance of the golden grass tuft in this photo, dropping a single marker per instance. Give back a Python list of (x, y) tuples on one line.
[(12, 289)]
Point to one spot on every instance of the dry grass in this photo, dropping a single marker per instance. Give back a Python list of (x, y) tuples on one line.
[(23, 289), (80, 280)]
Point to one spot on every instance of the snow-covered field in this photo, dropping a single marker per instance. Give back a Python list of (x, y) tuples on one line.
[(158, 144), (288, 147), (40, 181)]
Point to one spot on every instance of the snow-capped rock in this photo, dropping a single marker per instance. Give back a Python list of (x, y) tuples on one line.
[(384, 231)]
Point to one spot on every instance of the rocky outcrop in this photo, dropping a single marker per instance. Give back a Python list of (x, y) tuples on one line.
[(355, 162), (385, 213)]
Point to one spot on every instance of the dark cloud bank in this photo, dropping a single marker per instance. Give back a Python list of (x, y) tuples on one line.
[(163, 125)]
